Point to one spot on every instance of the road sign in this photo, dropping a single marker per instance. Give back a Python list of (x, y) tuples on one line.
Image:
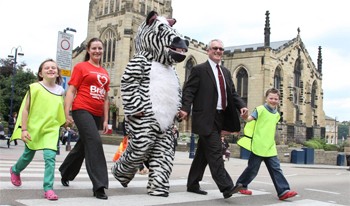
[(64, 55), (65, 72)]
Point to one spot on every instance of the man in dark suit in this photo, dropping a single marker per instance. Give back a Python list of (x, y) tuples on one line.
[(214, 109)]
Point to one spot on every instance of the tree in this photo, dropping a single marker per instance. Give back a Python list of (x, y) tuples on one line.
[(343, 130), (22, 78)]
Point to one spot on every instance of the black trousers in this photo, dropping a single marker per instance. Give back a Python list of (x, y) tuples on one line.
[(209, 152), (88, 147)]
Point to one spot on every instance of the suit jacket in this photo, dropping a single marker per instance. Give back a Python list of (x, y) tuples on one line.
[(200, 96)]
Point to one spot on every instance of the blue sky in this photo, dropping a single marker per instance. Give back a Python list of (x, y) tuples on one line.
[(322, 23)]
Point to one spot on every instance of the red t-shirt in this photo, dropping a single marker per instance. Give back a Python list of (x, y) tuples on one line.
[(92, 84)]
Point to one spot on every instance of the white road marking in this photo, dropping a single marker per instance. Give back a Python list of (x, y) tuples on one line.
[(305, 202), (324, 191)]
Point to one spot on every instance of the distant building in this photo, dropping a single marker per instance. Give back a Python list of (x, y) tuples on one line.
[(285, 65), (331, 130)]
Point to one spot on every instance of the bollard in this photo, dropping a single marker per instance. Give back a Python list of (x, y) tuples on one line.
[(192, 145)]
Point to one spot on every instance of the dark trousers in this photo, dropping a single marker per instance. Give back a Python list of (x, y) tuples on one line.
[(209, 152), (88, 147), (274, 168)]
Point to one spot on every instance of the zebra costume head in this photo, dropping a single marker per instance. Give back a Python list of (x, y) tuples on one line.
[(158, 41)]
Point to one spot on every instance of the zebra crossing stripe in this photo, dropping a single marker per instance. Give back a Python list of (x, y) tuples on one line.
[(78, 185), (305, 202), (136, 200)]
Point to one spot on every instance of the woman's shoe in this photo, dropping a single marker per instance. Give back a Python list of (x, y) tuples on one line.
[(100, 194), (65, 182)]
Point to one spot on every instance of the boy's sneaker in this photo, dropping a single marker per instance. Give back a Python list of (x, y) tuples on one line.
[(246, 192), (288, 194)]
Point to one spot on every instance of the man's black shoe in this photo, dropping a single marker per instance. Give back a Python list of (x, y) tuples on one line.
[(197, 191), (233, 190), (100, 194), (65, 182)]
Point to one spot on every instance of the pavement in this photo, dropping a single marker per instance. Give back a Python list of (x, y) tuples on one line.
[(79, 192)]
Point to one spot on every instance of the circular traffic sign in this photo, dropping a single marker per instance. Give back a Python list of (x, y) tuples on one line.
[(65, 45)]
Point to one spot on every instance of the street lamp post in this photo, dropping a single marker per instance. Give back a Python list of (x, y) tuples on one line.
[(14, 72)]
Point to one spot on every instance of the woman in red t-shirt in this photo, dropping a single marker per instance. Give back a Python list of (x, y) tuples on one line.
[(87, 98)]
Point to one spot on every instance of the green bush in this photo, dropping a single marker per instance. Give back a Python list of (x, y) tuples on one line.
[(318, 143), (314, 143), (331, 147)]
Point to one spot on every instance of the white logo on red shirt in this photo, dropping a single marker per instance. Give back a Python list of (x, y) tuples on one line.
[(99, 92), (102, 79)]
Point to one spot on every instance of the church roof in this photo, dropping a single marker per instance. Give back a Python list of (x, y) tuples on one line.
[(274, 45)]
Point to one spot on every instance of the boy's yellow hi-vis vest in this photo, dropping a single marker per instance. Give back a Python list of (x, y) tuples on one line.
[(259, 135)]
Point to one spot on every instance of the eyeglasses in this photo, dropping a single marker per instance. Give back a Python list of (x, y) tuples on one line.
[(216, 48)]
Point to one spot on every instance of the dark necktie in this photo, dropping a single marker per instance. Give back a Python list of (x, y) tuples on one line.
[(222, 88)]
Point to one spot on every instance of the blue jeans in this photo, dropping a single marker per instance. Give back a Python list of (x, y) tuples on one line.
[(273, 166)]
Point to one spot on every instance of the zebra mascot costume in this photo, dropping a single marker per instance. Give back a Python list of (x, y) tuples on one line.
[(151, 95)]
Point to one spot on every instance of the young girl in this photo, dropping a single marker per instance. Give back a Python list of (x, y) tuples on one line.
[(40, 117)]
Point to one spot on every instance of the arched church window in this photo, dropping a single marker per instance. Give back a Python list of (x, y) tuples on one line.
[(277, 79), (109, 40), (104, 53), (297, 73), (114, 48), (242, 84), (189, 65), (106, 7), (297, 81)]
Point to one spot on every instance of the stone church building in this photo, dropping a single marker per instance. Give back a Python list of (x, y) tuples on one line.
[(285, 65)]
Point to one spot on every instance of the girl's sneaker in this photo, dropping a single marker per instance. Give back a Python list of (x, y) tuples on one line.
[(50, 195), (15, 179)]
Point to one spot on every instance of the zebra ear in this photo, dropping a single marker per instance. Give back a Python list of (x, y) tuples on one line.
[(151, 17), (171, 22)]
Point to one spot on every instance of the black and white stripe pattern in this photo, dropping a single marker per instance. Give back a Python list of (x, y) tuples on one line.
[(150, 86)]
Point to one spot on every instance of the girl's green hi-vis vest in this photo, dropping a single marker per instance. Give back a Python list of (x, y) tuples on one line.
[(259, 135), (45, 117)]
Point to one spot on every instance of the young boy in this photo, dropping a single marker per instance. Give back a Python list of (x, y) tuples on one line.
[(263, 147)]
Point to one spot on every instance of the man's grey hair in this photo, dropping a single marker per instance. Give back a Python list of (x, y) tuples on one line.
[(211, 41)]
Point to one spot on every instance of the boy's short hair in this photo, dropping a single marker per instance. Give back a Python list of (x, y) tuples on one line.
[(273, 91)]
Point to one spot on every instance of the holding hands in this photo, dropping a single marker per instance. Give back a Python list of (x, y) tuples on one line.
[(244, 113), (182, 115)]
